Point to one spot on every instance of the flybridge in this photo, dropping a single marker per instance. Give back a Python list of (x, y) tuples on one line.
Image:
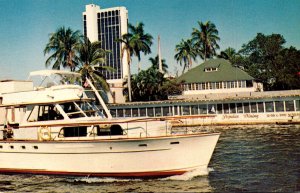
[(43, 86)]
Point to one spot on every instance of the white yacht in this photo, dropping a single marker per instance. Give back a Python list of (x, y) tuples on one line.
[(55, 128)]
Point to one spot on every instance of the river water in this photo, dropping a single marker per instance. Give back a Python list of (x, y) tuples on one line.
[(246, 159)]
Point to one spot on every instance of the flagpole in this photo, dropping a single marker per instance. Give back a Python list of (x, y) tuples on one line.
[(159, 56)]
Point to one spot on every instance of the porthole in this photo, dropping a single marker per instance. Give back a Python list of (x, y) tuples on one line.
[(23, 147), (1, 146), (142, 145), (35, 147), (11, 147)]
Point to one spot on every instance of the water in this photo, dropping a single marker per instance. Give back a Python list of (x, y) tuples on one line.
[(246, 159)]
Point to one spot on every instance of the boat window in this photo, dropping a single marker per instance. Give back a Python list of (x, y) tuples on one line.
[(253, 107), (269, 106), (89, 109), (44, 113), (73, 131), (72, 110), (246, 108), (279, 106), (106, 130), (289, 106), (260, 106)]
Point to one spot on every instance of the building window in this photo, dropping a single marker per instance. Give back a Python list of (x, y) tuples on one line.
[(135, 112), (120, 113), (243, 84), (213, 85), (279, 106), (143, 112), (246, 108), (232, 84), (228, 84), (166, 111), (253, 107), (289, 106), (158, 111), (224, 84), (226, 108), (212, 109), (260, 107), (269, 106), (185, 110), (239, 107), (219, 108), (207, 85), (113, 112), (210, 69), (194, 109), (203, 109), (203, 86), (297, 105), (232, 108), (150, 111), (128, 112)]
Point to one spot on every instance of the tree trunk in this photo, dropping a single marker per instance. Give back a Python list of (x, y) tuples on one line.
[(139, 66)]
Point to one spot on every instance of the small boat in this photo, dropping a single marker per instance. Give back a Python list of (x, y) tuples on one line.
[(55, 128)]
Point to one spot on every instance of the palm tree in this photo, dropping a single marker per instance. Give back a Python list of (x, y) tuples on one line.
[(155, 63), (134, 43), (185, 53), (63, 44), (142, 41), (205, 39), (128, 49), (91, 55), (228, 54)]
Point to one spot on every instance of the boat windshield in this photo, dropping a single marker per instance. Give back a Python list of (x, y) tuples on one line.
[(80, 109), (48, 78)]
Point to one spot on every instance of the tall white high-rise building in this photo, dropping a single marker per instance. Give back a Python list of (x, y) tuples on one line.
[(107, 25)]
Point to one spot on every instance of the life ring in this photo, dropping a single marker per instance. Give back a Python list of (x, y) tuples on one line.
[(44, 133)]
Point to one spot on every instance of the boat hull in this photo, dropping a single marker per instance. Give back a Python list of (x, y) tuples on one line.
[(150, 157)]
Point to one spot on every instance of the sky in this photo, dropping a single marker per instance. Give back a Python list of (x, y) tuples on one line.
[(25, 26)]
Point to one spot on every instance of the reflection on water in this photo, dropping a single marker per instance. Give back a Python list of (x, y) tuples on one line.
[(247, 158), (265, 158)]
